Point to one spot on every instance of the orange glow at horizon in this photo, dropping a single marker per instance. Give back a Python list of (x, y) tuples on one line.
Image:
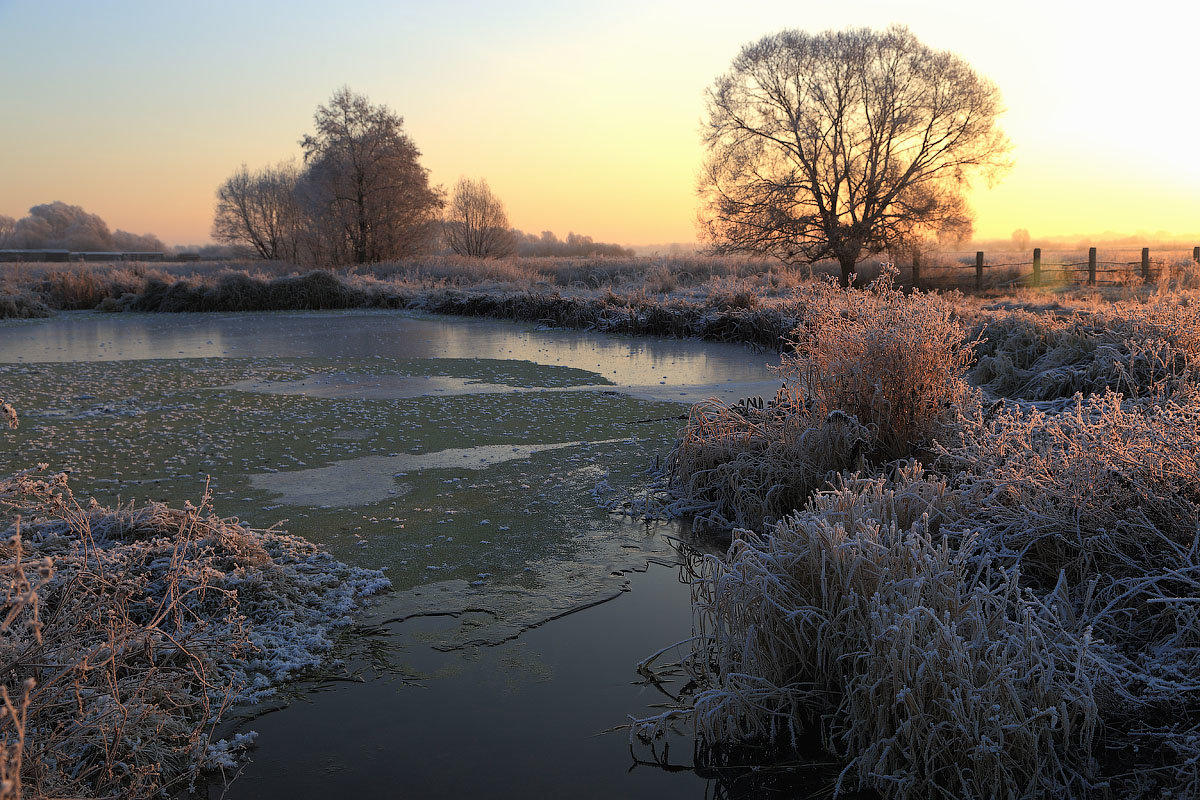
[(582, 120)]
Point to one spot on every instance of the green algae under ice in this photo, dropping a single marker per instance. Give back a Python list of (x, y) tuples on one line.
[(462, 456)]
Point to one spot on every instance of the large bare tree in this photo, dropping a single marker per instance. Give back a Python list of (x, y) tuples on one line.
[(260, 210), (476, 223), (364, 182), (844, 143)]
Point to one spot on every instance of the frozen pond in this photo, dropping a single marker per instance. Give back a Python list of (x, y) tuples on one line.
[(466, 458)]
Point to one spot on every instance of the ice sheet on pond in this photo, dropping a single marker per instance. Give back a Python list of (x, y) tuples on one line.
[(361, 481), (373, 387), (331, 406), (404, 387)]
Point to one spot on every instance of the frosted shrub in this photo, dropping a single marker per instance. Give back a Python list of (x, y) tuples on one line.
[(1026, 624), (893, 361), (1135, 349), (1106, 489), (928, 671), (744, 466), (875, 375)]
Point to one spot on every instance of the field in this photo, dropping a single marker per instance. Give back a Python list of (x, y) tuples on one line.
[(964, 535), (33, 289)]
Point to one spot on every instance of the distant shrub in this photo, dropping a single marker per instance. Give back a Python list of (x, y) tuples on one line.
[(22, 306), (238, 291), (85, 289)]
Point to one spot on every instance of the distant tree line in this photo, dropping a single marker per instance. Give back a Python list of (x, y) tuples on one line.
[(547, 244), (361, 195), (59, 226)]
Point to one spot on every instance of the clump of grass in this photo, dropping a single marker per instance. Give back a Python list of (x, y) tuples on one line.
[(237, 291), (22, 306), (874, 375), (726, 293), (893, 361), (1137, 349), (925, 668), (82, 289), (127, 633), (1024, 623), (740, 466)]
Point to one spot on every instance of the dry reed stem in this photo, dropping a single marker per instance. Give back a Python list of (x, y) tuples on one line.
[(127, 633)]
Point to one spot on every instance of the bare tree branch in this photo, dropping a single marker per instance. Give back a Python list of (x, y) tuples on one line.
[(844, 143)]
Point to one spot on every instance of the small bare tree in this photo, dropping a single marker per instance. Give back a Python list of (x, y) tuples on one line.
[(842, 144), (260, 210), (476, 223)]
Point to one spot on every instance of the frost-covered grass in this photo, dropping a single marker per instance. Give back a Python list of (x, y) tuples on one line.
[(1137, 348), (126, 634), (988, 591), (736, 282), (871, 376), (22, 305)]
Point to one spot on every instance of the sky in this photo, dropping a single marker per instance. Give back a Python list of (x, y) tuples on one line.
[(582, 116)]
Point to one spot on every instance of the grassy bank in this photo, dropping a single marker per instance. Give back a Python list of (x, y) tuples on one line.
[(716, 299), (31, 289), (127, 633), (970, 565), (722, 309)]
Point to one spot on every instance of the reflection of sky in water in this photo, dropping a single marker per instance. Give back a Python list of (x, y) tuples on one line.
[(364, 334), (522, 540)]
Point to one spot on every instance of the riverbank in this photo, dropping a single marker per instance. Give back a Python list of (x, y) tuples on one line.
[(712, 299), (735, 314), (129, 632), (960, 592)]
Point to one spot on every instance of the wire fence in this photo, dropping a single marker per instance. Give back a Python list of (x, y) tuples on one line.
[(1036, 272)]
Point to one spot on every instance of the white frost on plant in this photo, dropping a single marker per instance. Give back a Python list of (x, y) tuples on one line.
[(225, 753)]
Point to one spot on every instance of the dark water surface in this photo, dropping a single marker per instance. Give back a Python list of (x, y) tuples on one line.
[(465, 457), (521, 719)]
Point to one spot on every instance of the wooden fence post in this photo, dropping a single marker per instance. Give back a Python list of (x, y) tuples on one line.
[(1146, 264), (1196, 254), (1037, 266), (978, 270), (1091, 266), (916, 266)]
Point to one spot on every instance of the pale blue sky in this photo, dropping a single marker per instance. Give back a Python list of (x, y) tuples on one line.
[(582, 116)]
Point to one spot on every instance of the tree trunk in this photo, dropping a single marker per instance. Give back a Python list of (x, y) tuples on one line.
[(848, 263)]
